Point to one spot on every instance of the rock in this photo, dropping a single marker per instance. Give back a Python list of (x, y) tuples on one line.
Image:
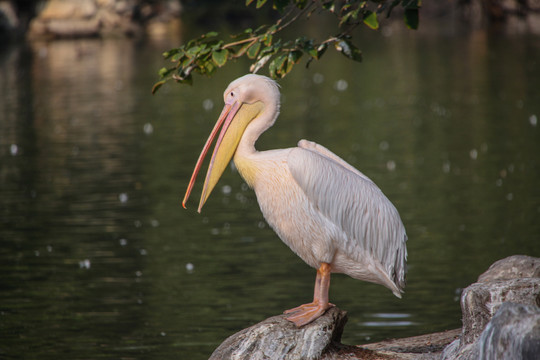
[(512, 334), (278, 338), (499, 285), (480, 301), (512, 267)]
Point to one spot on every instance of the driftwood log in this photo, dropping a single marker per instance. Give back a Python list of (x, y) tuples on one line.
[(501, 320)]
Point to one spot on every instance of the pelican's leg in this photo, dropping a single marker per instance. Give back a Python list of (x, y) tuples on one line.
[(304, 314), (316, 292)]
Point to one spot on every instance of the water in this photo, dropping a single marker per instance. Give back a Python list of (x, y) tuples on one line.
[(99, 260)]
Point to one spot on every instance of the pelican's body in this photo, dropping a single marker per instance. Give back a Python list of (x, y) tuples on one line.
[(330, 214)]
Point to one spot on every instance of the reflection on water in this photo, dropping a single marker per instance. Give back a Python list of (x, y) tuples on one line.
[(98, 257)]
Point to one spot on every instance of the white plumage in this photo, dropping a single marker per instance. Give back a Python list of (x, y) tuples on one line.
[(329, 213)]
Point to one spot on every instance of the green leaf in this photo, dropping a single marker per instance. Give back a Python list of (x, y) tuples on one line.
[(209, 67), (260, 63), (187, 62), (268, 40), (178, 56), (243, 50), (294, 56), (217, 45), (308, 47), (329, 5), (345, 18), (349, 50), (272, 29), (254, 50), (371, 20), (157, 86), (321, 50), (188, 79), (292, 59), (164, 72), (271, 49), (168, 54), (411, 18), (277, 65), (193, 50), (220, 57), (248, 2), (260, 28), (260, 3), (205, 50)]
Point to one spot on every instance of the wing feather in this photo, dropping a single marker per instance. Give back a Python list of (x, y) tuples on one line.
[(349, 199)]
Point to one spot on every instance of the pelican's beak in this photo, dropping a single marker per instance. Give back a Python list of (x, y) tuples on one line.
[(233, 121)]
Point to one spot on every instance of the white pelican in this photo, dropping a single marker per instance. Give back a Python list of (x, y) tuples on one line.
[(330, 214)]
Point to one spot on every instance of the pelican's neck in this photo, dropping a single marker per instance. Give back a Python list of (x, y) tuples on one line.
[(244, 157), (255, 128)]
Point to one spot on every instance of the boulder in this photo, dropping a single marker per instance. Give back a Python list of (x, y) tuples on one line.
[(278, 338), (511, 280), (512, 334), (512, 267), (480, 302)]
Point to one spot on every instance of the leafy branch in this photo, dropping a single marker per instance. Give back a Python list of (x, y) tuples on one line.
[(207, 53)]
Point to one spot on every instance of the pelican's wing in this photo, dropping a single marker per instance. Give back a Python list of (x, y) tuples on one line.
[(313, 146), (349, 199)]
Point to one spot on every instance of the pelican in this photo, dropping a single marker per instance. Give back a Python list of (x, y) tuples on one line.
[(330, 214)]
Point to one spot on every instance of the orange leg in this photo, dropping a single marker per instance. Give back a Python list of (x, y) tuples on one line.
[(304, 314)]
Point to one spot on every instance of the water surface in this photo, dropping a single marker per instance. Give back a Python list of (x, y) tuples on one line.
[(99, 260)]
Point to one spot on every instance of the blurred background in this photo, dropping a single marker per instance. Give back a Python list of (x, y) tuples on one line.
[(99, 260)]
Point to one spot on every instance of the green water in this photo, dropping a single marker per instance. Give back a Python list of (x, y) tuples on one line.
[(99, 260)]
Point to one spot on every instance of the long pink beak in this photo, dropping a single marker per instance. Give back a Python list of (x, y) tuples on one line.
[(227, 115)]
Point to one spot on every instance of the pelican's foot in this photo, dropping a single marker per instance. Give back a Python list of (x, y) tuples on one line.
[(304, 314)]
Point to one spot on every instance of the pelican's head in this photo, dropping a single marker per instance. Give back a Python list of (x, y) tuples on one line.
[(246, 99)]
